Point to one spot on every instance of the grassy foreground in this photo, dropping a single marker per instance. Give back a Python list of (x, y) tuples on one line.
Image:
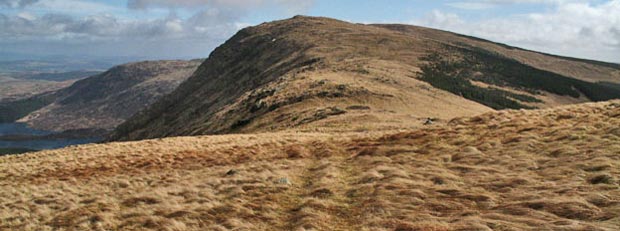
[(554, 169)]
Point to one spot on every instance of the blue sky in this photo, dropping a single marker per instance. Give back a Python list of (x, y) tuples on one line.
[(164, 29)]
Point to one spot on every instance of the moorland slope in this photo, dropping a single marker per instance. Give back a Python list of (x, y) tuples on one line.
[(548, 169), (320, 74)]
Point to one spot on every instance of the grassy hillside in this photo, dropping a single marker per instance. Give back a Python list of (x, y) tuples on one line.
[(586, 70), (593, 62), (303, 73), (610, 85), (553, 169), (454, 70)]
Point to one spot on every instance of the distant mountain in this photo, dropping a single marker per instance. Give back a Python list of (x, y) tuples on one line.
[(15, 86), (22, 76), (320, 74), (57, 76), (20, 66), (12, 88), (19, 63), (102, 101)]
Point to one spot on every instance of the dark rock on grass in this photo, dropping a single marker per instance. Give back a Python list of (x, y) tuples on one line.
[(602, 179), (231, 172), (358, 107), (322, 193)]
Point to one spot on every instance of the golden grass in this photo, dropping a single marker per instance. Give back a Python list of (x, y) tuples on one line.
[(552, 169)]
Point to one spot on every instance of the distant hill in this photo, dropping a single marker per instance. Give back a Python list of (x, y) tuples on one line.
[(59, 76), (321, 74), (20, 63), (12, 88), (102, 101), (21, 85)]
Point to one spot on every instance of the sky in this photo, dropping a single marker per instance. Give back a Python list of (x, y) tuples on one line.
[(172, 29)]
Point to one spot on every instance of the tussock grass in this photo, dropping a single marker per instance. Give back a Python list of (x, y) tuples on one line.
[(459, 176)]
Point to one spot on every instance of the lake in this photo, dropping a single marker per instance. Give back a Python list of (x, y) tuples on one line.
[(35, 144)]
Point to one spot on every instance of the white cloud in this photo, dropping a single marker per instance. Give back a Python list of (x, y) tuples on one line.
[(471, 5), (235, 4), (572, 28), (106, 34), (105, 28), (487, 4), (73, 7), (26, 16), (439, 19), (16, 3)]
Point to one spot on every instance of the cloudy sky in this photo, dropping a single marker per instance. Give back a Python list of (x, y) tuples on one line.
[(164, 29)]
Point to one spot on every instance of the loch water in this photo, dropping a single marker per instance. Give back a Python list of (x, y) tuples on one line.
[(38, 143)]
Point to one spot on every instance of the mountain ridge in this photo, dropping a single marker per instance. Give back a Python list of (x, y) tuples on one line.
[(380, 67), (610, 72)]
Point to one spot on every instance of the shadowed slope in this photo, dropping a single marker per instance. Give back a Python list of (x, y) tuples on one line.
[(103, 101)]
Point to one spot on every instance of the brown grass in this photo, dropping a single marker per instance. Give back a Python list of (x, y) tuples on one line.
[(508, 170)]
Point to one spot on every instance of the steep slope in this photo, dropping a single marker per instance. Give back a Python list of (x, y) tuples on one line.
[(103, 101), (551, 169), (320, 74), (13, 110)]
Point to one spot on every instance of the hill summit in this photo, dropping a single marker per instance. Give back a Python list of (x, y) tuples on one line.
[(321, 74)]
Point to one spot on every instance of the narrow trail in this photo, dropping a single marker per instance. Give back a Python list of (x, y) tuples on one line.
[(318, 197), (293, 201), (348, 217)]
